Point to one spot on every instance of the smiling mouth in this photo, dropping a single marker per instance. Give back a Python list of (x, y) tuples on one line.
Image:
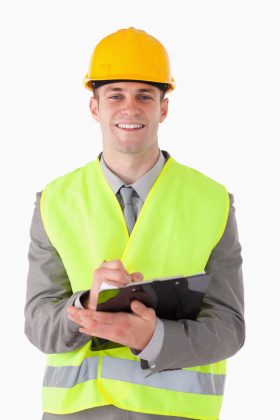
[(130, 127)]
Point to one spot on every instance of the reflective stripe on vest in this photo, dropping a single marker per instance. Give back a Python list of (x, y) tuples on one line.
[(178, 380), (69, 376), (182, 219), (130, 371)]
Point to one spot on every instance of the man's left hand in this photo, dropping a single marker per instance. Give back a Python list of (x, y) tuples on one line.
[(133, 330)]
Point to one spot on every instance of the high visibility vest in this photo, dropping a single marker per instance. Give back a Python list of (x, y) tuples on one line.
[(181, 221)]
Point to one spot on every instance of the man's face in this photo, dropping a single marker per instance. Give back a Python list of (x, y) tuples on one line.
[(129, 114)]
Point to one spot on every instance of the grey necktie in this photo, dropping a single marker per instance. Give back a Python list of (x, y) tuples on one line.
[(126, 194)]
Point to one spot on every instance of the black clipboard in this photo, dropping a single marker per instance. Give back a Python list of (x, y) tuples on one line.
[(173, 298)]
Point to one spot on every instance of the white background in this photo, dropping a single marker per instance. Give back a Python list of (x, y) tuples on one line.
[(224, 120)]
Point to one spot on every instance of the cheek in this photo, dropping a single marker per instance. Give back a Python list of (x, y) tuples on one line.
[(107, 127), (155, 122), (105, 119), (106, 116)]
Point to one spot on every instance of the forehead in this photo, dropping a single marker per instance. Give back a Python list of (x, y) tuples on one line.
[(129, 87)]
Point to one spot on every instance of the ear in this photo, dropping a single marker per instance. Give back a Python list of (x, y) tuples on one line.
[(163, 109), (93, 106)]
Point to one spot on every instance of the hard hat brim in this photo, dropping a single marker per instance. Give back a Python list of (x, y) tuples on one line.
[(88, 83)]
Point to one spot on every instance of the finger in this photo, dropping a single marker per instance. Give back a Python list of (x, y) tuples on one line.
[(142, 311), (97, 328), (107, 317), (72, 309), (74, 317), (84, 321), (108, 274), (114, 277), (85, 316), (79, 312), (78, 315), (100, 331), (137, 277), (74, 313)]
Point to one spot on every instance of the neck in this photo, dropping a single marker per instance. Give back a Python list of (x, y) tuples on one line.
[(131, 167)]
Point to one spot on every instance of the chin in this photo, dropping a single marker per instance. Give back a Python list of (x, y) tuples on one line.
[(128, 147)]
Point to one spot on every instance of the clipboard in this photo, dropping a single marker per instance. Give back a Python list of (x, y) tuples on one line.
[(172, 298)]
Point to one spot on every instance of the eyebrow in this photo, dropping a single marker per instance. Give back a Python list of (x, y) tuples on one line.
[(118, 89)]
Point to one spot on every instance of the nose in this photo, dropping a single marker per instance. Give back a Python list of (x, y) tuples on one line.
[(130, 107)]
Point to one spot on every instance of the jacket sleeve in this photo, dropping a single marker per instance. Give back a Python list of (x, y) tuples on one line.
[(48, 295), (219, 330)]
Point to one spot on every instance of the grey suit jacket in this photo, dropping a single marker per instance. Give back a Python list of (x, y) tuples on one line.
[(218, 335)]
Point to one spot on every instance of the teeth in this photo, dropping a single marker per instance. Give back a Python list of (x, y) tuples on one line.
[(130, 125)]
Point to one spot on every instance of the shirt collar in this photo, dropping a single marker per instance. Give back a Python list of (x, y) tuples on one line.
[(143, 185)]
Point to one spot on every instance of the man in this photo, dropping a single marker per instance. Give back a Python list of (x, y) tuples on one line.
[(132, 214)]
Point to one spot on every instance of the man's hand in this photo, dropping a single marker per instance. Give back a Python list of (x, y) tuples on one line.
[(110, 272), (133, 330)]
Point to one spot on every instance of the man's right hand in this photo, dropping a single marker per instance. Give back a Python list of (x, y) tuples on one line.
[(110, 272)]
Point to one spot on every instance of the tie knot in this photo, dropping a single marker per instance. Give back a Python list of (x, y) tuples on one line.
[(126, 194)]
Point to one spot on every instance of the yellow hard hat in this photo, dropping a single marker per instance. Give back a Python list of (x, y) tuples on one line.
[(130, 54)]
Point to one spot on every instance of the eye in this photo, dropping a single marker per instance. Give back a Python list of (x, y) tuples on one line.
[(145, 97), (115, 97)]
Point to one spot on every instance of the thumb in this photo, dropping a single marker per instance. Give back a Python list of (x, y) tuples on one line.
[(141, 310)]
